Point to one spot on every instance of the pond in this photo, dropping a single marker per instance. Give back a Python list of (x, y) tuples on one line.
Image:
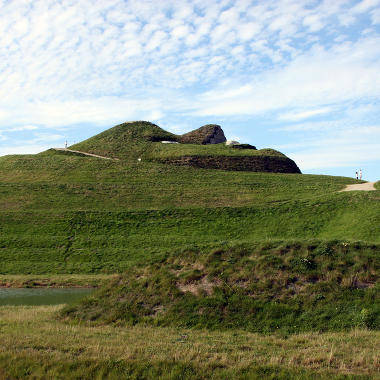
[(41, 296)]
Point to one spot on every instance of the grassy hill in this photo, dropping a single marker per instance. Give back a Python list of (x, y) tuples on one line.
[(217, 255), (65, 213), (71, 214)]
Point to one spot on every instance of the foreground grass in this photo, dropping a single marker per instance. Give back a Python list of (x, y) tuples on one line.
[(34, 344)]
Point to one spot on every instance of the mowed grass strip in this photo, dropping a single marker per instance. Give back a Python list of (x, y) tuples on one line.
[(39, 242), (36, 345), (58, 182)]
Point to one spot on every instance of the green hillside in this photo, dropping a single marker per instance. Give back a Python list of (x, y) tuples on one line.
[(195, 263), (69, 214), (64, 213)]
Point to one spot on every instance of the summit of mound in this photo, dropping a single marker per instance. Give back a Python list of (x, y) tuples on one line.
[(126, 140), (201, 148)]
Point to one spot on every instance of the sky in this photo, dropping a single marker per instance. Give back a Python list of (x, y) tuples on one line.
[(302, 77)]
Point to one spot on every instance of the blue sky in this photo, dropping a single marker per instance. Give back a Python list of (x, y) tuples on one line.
[(299, 76)]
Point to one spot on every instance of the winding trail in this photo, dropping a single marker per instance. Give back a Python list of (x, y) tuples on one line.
[(85, 154), (368, 186)]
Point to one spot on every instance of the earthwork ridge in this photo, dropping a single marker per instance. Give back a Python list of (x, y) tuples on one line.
[(204, 148)]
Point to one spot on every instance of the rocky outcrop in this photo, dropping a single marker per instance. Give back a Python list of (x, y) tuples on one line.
[(208, 134), (269, 164)]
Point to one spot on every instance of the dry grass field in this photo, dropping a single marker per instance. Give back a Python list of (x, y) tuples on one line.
[(35, 344)]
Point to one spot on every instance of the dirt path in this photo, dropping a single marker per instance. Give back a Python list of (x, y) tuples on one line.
[(85, 154), (368, 186)]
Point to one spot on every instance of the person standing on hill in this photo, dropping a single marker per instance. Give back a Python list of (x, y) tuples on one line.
[(360, 174)]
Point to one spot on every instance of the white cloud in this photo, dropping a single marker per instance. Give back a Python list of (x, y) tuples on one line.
[(296, 115), (344, 148), (97, 49), (19, 129), (107, 110), (375, 15), (365, 5), (23, 149), (316, 78)]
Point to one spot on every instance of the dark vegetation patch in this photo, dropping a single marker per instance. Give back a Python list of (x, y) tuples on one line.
[(243, 146), (271, 164), (291, 287)]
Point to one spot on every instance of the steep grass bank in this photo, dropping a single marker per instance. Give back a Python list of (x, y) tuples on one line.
[(67, 214), (267, 164), (52, 349), (112, 241), (271, 287)]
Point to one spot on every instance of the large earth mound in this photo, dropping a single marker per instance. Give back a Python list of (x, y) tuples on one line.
[(201, 148)]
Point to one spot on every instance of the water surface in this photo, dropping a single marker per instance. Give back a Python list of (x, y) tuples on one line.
[(41, 296)]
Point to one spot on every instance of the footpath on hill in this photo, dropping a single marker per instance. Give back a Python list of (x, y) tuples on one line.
[(84, 153), (368, 186)]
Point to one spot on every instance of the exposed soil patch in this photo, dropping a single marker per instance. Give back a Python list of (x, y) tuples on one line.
[(368, 186)]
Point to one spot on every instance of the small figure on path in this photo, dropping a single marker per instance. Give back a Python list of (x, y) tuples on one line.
[(356, 175), (360, 174)]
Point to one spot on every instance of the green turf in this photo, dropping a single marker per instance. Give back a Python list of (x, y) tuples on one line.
[(196, 249), (68, 214)]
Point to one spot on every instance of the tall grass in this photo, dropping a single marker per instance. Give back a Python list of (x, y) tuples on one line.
[(52, 349)]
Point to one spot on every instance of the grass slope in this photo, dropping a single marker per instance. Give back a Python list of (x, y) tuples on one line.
[(251, 251), (127, 140), (69, 214)]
